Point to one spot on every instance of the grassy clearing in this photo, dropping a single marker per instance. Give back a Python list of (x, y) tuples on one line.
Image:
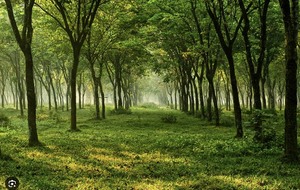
[(139, 151)]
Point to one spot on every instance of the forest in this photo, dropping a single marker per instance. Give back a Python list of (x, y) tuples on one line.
[(149, 94)]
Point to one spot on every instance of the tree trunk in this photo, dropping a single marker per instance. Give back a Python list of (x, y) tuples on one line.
[(196, 95), (235, 96), (49, 97), (24, 40), (31, 98), (96, 96), (215, 101), (175, 95), (41, 95), (53, 89), (20, 97), (102, 99), (208, 105), (76, 54), (79, 86), (96, 91), (118, 77), (102, 91), (68, 96), (263, 93), (256, 92), (290, 11), (192, 99)]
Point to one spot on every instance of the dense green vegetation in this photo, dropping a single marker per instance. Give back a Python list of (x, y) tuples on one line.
[(140, 151)]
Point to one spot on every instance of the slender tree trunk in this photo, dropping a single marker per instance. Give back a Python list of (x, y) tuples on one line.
[(242, 97), (41, 95), (208, 105), (53, 90), (96, 96), (24, 96), (235, 95), (68, 96), (49, 97), (115, 97), (21, 98), (192, 99), (215, 102), (196, 95), (17, 96), (102, 99), (202, 107), (119, 84), (263, 93), (76, 54), (175, 95), (271, 93), (79, 88), (102, 92), (96, 91)]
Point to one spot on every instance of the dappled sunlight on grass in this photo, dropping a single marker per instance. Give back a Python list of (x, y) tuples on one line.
[(139, 151)]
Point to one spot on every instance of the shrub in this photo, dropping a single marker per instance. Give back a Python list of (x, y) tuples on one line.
[(169, 118), (198, 114), (262, 123), (246, 111), (54, 115), (4, 120), (149, 105), (220, 111), (120, 111), (227, 121), (266, 137), (270, 112)]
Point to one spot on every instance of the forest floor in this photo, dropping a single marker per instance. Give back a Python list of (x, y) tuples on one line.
[(140, 151)]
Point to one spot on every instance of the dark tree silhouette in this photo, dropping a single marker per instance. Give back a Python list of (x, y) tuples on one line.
[(290, 11)]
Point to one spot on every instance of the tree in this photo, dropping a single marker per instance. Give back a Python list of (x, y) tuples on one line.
[(227, 35), (255, 68), (24, 39), (290, 12), (274, 47), (76, 19), (205, 40)]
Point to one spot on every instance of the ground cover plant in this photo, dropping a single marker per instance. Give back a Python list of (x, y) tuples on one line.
[(140, 151)]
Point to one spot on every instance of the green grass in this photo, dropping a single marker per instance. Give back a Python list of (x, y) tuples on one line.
[(139, 151)]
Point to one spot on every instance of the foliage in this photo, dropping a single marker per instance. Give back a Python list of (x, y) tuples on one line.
[(198, 114), (227, 121), (149, 105), (264, 123), (55, 115), (120, 111), (4, 120), (169, 118)]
